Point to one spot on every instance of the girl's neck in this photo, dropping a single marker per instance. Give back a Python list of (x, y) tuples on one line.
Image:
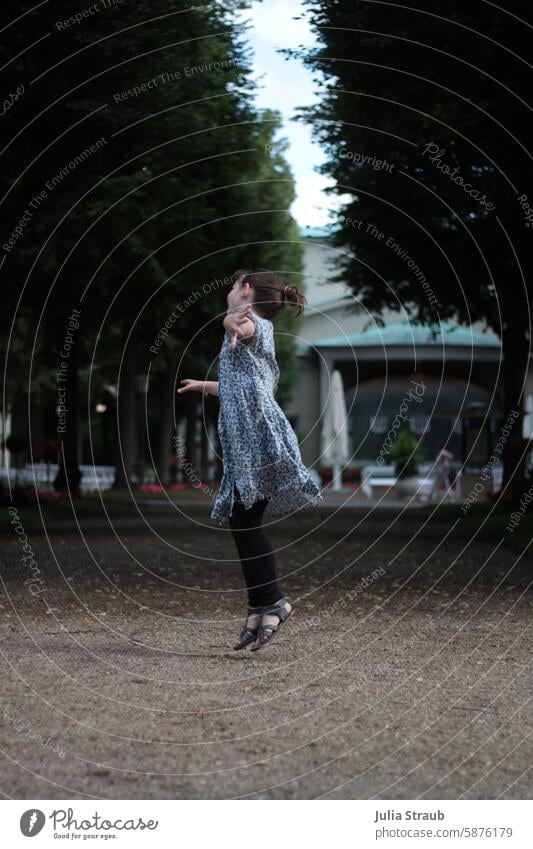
[(241, 307)]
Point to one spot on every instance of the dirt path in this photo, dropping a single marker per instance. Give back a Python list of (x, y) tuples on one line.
[(402, 675)]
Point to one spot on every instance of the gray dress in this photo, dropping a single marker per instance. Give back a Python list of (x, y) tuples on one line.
[(259, 447)]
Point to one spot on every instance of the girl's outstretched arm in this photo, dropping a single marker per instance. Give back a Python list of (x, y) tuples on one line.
[(208, 387)]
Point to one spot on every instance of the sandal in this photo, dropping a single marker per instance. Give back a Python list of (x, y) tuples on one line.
[(266, 632), (249, 630)]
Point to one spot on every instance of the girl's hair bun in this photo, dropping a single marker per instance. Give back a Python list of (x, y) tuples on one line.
[(270, 293)]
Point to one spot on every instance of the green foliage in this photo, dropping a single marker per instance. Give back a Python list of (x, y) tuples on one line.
[(397, 81), (406, 453), (186, 183), (425, 117)]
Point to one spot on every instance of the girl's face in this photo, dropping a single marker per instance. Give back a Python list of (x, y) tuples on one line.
[(239, 295)]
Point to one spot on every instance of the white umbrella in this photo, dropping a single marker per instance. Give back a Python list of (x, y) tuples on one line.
[(335, 430)]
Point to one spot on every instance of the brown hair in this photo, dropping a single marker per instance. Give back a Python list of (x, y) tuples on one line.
[(270, 293)]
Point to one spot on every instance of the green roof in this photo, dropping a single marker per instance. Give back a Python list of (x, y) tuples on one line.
[(405, 333)]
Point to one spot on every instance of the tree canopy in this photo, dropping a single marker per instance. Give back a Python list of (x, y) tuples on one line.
[(425, 116), (136, 169)]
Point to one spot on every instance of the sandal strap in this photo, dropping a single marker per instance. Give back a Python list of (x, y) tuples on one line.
[(267, 631), (281, 611), (276, 609)]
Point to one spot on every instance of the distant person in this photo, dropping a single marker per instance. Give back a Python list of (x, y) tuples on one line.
[(263, 469), (443, 469)]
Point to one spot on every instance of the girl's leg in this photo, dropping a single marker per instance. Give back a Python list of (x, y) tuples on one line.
[(256, 554)]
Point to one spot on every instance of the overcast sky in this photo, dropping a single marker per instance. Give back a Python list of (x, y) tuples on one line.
[(285, 84)]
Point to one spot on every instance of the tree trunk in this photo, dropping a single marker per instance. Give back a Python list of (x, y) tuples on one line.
[(165, 427), (516, 352), (191, 473), (125, 447), (204, 448)]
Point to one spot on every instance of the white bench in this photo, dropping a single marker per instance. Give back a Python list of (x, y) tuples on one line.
[(374, 476), (94, 478)]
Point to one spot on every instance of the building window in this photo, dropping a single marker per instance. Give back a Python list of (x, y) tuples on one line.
[(378, 424), (419, 423)]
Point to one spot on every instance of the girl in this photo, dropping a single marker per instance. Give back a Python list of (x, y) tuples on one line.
[(263, 471)]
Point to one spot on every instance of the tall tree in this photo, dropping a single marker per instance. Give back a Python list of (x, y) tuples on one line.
[(425, 116), (134, 128)]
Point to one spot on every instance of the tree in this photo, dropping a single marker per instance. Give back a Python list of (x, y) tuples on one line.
[(426, 120), (136, 128)]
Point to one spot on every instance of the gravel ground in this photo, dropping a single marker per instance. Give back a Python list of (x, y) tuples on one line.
[(403, 673)]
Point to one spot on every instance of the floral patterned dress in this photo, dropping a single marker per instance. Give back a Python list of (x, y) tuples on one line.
[(259, 447)]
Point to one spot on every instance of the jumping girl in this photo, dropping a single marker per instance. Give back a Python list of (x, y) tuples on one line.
[(263, 471)]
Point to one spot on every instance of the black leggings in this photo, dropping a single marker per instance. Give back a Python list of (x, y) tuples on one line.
[(257, 558)]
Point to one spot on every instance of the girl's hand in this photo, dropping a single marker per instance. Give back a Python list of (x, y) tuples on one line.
[(234, 324), (191, 385)]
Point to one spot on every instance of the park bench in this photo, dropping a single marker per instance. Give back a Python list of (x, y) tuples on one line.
[(94, 478), (383, 476)]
